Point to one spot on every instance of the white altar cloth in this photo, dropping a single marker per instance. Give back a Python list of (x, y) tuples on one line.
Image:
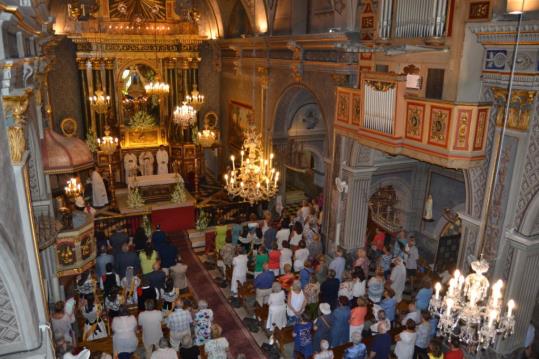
[(145, 181)]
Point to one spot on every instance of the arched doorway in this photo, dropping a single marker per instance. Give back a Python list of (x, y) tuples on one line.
[(300, 140)]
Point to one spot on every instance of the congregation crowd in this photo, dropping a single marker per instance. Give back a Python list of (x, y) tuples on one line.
[(372, 303)]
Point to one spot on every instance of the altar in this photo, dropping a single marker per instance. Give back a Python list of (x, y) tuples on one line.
[(156, 192)]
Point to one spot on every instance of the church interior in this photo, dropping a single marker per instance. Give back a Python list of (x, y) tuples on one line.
[(269, 179)]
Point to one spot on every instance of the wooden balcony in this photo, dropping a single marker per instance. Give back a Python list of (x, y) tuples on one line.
[(380, 115)]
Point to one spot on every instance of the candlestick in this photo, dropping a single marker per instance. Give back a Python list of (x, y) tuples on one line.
[(437, 287), (510, 307)]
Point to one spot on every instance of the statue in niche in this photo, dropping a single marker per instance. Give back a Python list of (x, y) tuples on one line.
[(146, 161), (427, 214), (162, 160), (99, 192)]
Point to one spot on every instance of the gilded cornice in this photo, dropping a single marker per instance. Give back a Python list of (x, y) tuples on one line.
[(497, 33), (21, 20)]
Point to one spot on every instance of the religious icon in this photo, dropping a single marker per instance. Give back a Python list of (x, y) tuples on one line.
[(427, 214)]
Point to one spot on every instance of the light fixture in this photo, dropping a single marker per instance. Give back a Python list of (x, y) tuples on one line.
[(72, 188), (256, 179), (520, 6), (196, 99), (206, 137), (157, 87), (467, 311), (100, 102), (108, 145), (184, 115)]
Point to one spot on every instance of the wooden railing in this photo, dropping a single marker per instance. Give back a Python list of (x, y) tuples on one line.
[(382, 115), (108, 225), (235, 212), (413, 18)]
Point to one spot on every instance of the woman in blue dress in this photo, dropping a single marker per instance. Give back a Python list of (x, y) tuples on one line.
[(340, 327), (322, 326), (303, 338)]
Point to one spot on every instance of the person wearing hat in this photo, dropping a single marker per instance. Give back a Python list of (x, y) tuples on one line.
[(322, 326)]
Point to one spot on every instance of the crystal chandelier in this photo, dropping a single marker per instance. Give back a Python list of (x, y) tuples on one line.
[(72, 188), (100, 102), (256, 179), (157, 87), (184, 115), (108, 144), (206, 137), (469, 313), (196, 99)]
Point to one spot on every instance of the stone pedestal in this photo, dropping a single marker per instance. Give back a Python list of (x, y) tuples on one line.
[(356, 205)]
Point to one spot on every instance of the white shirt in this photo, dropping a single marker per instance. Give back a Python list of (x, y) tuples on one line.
[(415, 316), (162, 161), (301, 256), (413, 256), (150, 321), (286, 256), (240, 265), (359, 288), (296, 238), (166, 353), (405, 346), (398, 280), (282, 235)]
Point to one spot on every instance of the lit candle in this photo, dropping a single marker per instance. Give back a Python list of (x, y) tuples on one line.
[(492, 316), (271, 160), (437, 287), (226, 179), (449, 306), (510, 307), (233, 164), (242, 153)]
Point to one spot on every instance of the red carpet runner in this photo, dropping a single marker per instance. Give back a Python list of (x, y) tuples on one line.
[(204, 287)]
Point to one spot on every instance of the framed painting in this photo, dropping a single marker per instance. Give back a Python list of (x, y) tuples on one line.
[(415, 114), (462, 131), (240, 115), (440, 118), (480, 129), (356, 109)]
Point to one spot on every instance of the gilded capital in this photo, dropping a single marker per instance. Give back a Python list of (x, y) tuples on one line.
[(17, 105)]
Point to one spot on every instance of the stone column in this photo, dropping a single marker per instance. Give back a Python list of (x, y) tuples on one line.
[(357, 205), (468, 240), (522, 286)]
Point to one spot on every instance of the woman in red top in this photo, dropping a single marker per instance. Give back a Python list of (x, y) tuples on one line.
[(378, 240), (454, 351), (287, 278), (357, 316), (274, 259)]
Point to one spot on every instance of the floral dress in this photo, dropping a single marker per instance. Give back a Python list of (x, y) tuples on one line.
[(203, 319)]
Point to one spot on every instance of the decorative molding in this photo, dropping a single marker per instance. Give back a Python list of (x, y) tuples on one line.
[(263, 75), (297, 71), (520, 108), (505, 32), (17, 105), (9, 327), (297, 50)]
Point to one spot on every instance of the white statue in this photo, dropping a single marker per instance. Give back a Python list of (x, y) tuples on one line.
[(146, 163), (130, 165), (162, 160), (427, 215), (99, 192)]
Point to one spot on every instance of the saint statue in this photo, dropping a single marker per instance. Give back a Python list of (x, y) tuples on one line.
[(427, 215), (146, 163), (99, 192), (162, 160), (130, 165)]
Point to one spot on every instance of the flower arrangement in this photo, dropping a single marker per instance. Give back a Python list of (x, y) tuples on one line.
[(141, 121), (178, 195), (134, 198), (91, 140), (202, 221)]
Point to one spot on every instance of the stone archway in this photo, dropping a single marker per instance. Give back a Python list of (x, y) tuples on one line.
[(300, 141)]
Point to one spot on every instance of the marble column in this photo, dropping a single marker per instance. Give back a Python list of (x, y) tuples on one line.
[(522, 285), (357, 205)]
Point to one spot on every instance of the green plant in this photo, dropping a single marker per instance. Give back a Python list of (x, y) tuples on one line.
[(134, 198), (178, 195), (202, 221), (91, 140), (141, 121)]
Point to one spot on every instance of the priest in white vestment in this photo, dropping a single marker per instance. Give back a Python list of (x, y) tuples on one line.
[(398, 278), (130, 165), (146, 163), (99, 192), (162, 160)]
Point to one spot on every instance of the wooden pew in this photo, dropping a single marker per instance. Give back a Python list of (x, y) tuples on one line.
[(261, 313), (283, 336), (245, 291)]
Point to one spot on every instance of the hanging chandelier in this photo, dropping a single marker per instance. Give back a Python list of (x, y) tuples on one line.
[(196, 99), (467, 311), (100, 102), (206, 138), (108, 144), (184, 115), (72, 188), (256, 179), (157, 87)]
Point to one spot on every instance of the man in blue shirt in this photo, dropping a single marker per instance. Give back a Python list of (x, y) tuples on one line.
[(338, 263), (101, 261), (305, 274), (263, 284), (358, 350), (422, 299), (381, 343), (389, 304)]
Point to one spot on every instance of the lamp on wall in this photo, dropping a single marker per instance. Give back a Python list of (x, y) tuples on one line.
[(520, 6)]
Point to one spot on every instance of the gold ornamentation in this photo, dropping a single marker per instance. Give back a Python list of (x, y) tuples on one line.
[(17, 106), (69, 127), (380, 85), (263, 76), (479, 10), (340, 79), (343, 106), (439, 125), (66, 254), (297, 71), (137, 10), (414, 121), (520, 108)]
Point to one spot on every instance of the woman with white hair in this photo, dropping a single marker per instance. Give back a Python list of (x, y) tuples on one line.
[(324, 353), (164, 351), (296, 301), (203, 319), (277, 308), (217, 347)]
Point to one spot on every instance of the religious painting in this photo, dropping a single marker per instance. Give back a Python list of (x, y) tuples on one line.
[(415, 113), (440, 118), (139, 111), (86, 247), (137, 10), (367, 22), (479, 10), (462, 131), (343, 106), (189, 151), (356, 109), (66, 253), (240, 116), (480, 129)]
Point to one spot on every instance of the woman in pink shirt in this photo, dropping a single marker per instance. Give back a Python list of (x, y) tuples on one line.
[(357, 316), (274, 259)]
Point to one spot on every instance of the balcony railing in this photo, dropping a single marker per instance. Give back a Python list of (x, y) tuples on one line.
[(412, 18), (380, 114)]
